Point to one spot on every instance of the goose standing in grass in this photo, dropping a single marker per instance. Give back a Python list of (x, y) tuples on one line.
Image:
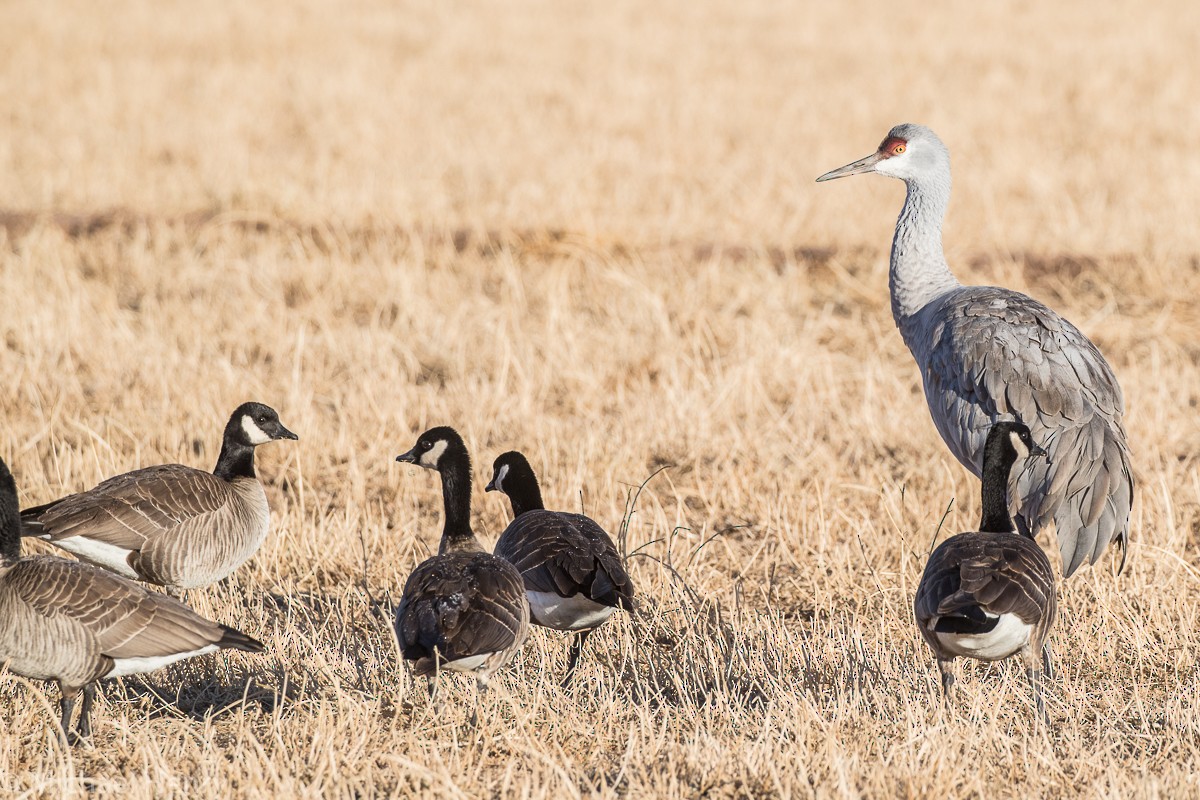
[(171, 525), (989, 594), (987, 353), (72, 623), (463, 610), (573, 575)]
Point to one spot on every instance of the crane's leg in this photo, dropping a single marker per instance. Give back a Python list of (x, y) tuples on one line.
[(946, 665), (85, 711), (573, 658)]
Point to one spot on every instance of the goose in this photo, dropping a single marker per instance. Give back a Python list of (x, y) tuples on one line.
[(989, 594), (986, 354), (574, 577), (463, 610), (171, 525), (75, 624)]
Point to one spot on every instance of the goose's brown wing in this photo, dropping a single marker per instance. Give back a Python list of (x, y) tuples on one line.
[(1001, 573), (129, 510), (462, 605), (568, 555), (125, 620)]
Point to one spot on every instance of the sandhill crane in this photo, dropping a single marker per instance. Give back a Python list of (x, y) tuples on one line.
[(988, 354)]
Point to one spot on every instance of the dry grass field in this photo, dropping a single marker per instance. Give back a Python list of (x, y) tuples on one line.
[(590, 231)]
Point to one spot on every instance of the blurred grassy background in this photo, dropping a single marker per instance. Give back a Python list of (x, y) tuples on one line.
[(590, 231)]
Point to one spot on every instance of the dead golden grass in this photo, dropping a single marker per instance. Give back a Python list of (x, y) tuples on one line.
[(590, 232)]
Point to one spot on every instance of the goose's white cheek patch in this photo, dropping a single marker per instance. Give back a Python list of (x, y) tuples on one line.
[(1019, 446), (431, 456), (501, 474), (254, 434)]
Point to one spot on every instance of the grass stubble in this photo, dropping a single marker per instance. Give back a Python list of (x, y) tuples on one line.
[(590, 233)]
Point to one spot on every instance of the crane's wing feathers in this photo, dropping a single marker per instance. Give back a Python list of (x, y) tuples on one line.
[(997, 354)]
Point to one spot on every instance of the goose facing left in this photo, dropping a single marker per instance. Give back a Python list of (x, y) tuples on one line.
[(573, 574), (463, 610), (69, 622), (171, 525)]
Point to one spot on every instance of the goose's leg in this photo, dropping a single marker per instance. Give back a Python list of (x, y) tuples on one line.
[(1033, 671), (573, 659), (435, 699), (85, 712), (481, 687), (1048, 662), (66, 708), (946, 665)]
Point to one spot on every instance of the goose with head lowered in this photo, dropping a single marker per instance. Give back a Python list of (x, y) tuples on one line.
[(171, 525), (463, 610), (990, 594), (987, 353), (69, 622), (574, 577)]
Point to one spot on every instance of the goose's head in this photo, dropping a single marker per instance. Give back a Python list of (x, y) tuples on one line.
[(908, 152), (253, 424), (1011, 443), (435, 448), (512, 467)]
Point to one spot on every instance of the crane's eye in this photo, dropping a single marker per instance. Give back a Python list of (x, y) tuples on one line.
[(898, 149)]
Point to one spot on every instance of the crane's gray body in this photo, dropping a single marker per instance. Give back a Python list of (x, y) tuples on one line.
[(988, 354)]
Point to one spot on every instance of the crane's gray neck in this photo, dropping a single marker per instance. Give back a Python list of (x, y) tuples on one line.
[(919, 272)]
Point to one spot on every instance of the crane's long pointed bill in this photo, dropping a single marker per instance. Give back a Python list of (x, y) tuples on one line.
[(862, 165)]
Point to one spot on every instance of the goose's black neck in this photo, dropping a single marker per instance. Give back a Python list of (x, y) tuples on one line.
[(10, 518), (236, 460), (523, 492), (998, 458), (455, 469)]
